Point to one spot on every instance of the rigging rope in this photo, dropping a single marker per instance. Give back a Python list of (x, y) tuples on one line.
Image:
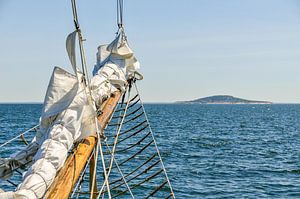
[(90, 100), (152, 162), (120, 13), (80, 39), (82, 175), (99, 147), (120, 171), (162, 164), (114, 147), (21, 134)]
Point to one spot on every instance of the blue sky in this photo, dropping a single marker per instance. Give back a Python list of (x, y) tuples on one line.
[(187, 49)]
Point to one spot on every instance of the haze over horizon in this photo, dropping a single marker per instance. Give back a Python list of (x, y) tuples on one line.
[(187, 49)]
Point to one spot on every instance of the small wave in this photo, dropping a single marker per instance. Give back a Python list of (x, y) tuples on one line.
[(296, 171), (215, 144)]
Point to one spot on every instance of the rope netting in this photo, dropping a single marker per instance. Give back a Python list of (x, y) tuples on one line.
[(132, 160)]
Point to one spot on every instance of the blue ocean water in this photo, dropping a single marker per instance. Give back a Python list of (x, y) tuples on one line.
[(210, 151)]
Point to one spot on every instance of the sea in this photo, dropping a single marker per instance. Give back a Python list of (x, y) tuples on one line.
[(209, 151)]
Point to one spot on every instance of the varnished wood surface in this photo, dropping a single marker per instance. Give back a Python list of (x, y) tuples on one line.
[(68, 175)]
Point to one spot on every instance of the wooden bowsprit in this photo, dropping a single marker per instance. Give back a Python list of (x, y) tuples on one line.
[(67, 177)]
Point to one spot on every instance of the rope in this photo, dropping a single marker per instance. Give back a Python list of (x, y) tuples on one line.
[(157, 189), (139, 174), (120, 171), (130, 129), (140, 151), (131, 105), (132, 134), (136, 169), (89, 96), (162, 164), (12, 183), (132, 99), (80, 38), (128, 114), (99, 146), (131, 119), (22, 134), (114, 147), (135, 144), (120, 13), (116, 165), (81, 176), (140, 183), (80, 187)]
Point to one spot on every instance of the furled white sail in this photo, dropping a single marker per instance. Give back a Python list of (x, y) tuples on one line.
[(68, 114), (117, 53)]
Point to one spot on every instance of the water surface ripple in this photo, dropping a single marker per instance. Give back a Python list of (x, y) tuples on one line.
[(230, 151), (211, 151)]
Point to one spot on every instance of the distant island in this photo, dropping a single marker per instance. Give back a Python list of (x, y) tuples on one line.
[(223, 99)]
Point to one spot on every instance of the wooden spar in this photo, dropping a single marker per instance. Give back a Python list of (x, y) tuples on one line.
[(68, 175)]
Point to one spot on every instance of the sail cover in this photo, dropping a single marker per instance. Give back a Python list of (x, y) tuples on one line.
[(68, 115)]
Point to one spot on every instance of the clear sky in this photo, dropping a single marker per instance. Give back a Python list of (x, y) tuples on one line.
[(187, 48)]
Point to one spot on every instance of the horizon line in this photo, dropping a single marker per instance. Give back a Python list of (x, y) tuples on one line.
[(149, 102)]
